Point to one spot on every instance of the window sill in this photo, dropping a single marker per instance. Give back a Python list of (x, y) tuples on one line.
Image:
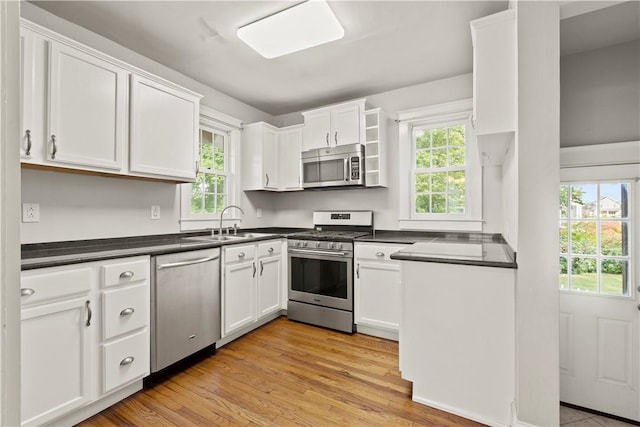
[(469, 225)]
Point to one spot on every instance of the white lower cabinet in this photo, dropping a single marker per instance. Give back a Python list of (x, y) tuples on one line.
[(377, 290), (76, 337), (251, 284)]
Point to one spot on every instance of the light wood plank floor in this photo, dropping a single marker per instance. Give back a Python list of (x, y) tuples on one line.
[(284, 373)]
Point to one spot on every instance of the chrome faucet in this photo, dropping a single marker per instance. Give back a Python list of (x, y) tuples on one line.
[(222, 213)]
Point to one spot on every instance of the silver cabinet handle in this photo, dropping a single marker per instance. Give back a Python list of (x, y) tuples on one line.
[(379, 254), (316, 252), (270, 250), (261, 268), (327, 138), (25, 292), (347, 175), (191, 337), (28, 150), (254, 269), (267, 184), (183, 263), (54, 147), (335, 137), (127, 312), (126, 275), (241, 255), (89, 313), (127, 361), (358, 271)]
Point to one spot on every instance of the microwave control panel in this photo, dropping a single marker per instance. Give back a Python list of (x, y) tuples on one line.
[(355, 168)]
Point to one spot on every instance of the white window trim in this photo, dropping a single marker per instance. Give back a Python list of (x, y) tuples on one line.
[(455, 111), (213, 119), (609, 162)]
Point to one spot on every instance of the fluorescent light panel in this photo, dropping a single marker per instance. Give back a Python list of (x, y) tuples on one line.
[(300, 27)]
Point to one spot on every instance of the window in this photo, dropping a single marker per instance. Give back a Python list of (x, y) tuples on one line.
[(594, 237), (209, 193), (440, 171)]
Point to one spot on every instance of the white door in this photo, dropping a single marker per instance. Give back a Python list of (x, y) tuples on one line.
[(599, 357), (345, 125), (239, 296), (378, 294), (87, 109), (290, 148), (317, 127), (270, 158), (269, 285)]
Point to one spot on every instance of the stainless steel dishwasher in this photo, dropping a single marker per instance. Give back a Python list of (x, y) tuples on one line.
[(185, 305)]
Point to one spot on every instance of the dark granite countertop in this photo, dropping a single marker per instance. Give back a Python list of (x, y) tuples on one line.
[(41, 255), (487, 250)]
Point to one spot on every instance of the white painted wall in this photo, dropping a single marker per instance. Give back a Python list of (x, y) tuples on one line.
[(600, 96), (294, 209), (538, 166)]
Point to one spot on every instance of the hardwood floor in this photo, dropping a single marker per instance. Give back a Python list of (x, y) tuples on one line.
[(284, 373)]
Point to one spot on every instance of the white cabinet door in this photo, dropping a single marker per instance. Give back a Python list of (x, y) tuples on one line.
[(56, 365), (269, 280), (87, 110), (345, 125), (164, 130), (270, 158), (317, 127), (239, 296), (378, 289), (290, 148)]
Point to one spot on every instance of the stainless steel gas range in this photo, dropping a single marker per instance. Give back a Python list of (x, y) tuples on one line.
[(321, 269)]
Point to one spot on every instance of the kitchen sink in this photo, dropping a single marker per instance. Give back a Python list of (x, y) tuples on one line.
[(254, 235), (215, 238)]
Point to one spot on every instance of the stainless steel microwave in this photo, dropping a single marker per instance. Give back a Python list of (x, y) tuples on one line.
[(340, 166)]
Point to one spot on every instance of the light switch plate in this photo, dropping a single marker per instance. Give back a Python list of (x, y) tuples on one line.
[(30, 212), (155, 212)]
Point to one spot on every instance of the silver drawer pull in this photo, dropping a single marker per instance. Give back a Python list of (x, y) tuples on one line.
[(126, 275), (380, 254), (27, 152), (25, 292), (127, 312), (270, 250), (241, 255), (192, 337), (127, 361)]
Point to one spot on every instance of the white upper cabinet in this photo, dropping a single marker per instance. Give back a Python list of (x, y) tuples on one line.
[(494, 83), (334, 125), (164, 130), (87, 109), (260, 157), (290, 145)]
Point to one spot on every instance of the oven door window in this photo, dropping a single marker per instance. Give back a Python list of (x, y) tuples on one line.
[(320, 277)]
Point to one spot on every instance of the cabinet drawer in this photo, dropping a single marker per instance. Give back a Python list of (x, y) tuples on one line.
[(378, 252), (239, 253), (125, 309), (270, 248), (120, 273), (125, 360), (53, 283)]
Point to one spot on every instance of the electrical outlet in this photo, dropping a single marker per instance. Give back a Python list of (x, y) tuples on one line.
[(259, 213), (155, 212), (30, 212)]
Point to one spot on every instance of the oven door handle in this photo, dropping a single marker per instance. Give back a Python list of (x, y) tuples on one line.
[(314, 252)]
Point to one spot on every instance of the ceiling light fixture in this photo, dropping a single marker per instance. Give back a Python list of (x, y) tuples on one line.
[(300, 27)]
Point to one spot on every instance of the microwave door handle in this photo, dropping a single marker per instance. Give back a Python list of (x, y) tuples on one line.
[(346, 169)]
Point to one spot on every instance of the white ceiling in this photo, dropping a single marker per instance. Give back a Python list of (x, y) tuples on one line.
[(387, 44)]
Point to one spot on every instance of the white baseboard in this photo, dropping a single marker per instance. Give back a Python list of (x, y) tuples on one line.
[(456, 411), (377, 332)]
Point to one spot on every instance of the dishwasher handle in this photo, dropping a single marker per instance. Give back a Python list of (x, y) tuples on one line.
[(190, 262)]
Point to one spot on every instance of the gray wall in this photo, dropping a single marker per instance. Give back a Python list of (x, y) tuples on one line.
[(600, 96)]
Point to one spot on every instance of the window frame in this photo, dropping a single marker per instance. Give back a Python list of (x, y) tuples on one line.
[(441, 115), (214, 121)]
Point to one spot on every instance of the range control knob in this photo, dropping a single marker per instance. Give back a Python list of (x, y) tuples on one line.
[(296, 243), (331, 245), (304, 244), (317, 244), (338, 245)]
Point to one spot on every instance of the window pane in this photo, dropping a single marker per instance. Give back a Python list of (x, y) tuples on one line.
[(218, 157), (614, 277), (210, 182), (457, 182), (221, 188), (439, 182), (209, 203), (584, 276), (564, 274), (583, 237), (422, 182), (456, 203), (220, 202), (456, 156), (439, 137), (206, 149), (614, 200), (196, 203), (198, 185), (564, 200), (583, 201), (456, 135), (423, 203), (438, 203), (423, 159), (564, 237), (423, 139), (439, 158), (613, 238)]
